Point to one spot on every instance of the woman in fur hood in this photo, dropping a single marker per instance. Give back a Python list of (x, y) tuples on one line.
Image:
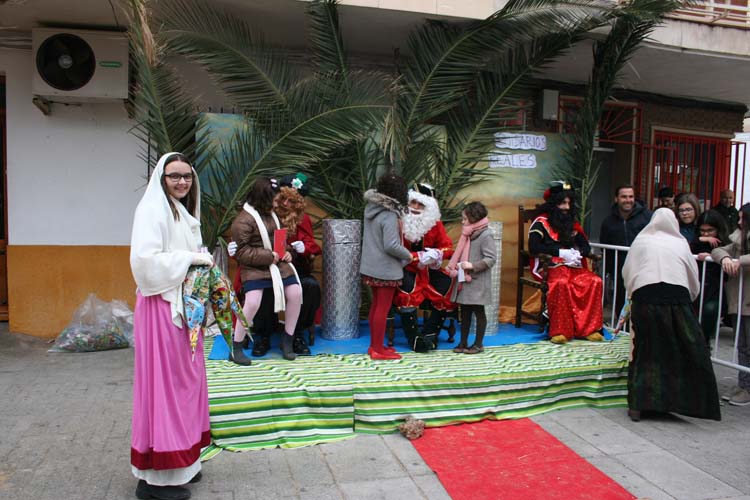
[(383, 255)]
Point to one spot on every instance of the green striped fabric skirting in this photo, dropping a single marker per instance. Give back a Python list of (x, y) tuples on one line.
[(325, 398)]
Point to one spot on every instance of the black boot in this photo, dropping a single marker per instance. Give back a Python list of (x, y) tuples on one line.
[(299, 345), (286, 347), (411, 330), (238, 356), (433, 326), (261, 344), (145, 491)]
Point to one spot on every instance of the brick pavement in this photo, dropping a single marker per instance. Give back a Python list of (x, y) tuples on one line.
[(65, 421)]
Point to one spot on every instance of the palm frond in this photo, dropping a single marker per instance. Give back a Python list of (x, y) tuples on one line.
[(447, 56), (424, 155), (340, 182), (236, 162), (505, 87), (252, 75), (308, 143), (329, 55), (316, 93), (167, 118), (499, 91), (634, 22)]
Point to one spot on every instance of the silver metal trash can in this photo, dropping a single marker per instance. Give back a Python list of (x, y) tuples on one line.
[(342, 249)]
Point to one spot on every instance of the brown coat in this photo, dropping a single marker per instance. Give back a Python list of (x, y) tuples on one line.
[(254, 260), (732, 285)]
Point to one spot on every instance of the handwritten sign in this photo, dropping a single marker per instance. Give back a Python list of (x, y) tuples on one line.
[(506, 140), (527, 160)]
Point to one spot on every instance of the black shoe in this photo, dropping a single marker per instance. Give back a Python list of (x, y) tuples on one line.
[(261, 345), (238, 356), (145, 491), (196, 478), (421, 344), (286, 347), (432, 340), (300, 346)]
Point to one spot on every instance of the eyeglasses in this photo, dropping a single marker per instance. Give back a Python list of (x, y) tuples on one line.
[(685, 210), (175, 177)]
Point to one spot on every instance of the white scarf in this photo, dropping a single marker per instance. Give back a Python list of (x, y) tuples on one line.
[(161, 248), (279, 300), (660, 254)]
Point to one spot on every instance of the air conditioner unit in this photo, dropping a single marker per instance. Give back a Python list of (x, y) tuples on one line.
[(79, 65)]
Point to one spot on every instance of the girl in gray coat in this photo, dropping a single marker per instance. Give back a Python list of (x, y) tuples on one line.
[(474, 257), (383, 255)]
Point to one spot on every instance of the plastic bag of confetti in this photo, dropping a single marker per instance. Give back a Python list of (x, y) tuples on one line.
[(96, 326)]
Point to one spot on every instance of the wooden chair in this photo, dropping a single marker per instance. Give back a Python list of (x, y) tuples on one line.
[(524, 278)]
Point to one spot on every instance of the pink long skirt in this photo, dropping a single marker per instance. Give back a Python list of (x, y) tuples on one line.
[(170, 396)]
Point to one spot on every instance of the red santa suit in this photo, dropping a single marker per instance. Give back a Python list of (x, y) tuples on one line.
[(422, 232)]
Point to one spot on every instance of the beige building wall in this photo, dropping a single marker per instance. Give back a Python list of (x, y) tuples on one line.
[(472, 9)]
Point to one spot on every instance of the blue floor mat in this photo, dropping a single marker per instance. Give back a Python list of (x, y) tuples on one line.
[(506, 334)]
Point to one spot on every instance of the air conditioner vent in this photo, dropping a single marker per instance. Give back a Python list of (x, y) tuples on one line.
[(79, 65)]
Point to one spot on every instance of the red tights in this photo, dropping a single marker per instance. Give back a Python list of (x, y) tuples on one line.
[(382, 298)]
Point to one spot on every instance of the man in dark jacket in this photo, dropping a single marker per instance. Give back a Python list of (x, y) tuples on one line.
[(627, 219), (727, 209)]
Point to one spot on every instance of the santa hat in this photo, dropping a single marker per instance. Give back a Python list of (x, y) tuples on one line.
[(425, 194), (425, 189), (557, 187)]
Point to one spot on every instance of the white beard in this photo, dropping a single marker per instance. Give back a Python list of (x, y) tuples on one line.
[(416, 226)]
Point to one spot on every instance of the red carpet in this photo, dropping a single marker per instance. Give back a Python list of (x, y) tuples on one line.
[(513, 460)]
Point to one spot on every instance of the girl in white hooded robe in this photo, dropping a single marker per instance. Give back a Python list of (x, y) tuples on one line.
[(170, 421)]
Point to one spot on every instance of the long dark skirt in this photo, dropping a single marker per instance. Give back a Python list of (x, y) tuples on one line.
[(671, 369)]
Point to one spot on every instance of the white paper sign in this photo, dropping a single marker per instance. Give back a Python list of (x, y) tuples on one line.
[(518, 160), (506, 140)]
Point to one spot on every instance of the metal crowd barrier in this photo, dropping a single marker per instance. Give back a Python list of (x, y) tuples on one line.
[(733, 363)]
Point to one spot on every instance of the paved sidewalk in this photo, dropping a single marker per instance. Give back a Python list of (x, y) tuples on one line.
[(65, 421)]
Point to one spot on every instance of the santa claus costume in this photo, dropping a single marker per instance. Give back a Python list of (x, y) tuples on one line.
[(424, 235)]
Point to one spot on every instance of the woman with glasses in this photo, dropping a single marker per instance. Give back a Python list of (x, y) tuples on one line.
[(687, 208), (170, 396), (712, 233)]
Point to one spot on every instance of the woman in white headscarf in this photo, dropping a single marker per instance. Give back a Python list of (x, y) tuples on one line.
[(170, 397), (671, 369)]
